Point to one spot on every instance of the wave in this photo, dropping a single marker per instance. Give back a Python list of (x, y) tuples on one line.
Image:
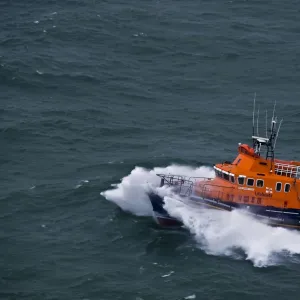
[(235, 234), (131, 193), (221, 233)]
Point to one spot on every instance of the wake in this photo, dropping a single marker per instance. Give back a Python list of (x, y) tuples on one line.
[(216, 232)]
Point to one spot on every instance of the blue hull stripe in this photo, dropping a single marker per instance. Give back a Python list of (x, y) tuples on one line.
[(273, 215)]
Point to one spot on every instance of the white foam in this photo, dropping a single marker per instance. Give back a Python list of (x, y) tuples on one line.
[(131, 193), (227, 233), (139, 34), (81, 183), (190, 297), (168, 274)]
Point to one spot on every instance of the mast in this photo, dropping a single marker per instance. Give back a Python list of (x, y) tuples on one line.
[(268, 142), (253, 118)]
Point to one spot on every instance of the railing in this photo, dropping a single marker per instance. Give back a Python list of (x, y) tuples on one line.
[(183, 185), (287, 170), (171, 177)]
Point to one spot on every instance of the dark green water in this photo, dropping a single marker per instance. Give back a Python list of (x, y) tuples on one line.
[(90, 90)]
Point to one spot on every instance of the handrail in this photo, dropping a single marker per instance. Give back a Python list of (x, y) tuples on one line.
[(288, 170), (284, 164), (183, 176), (185, 186), (200, 177)]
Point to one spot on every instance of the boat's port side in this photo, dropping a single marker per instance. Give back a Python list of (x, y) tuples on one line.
[(166, 221), (157, 203), (160, 215), (272, 215)]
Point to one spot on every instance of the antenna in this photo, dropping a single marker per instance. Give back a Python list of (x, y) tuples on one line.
[(266, 123), (277, 133), (274, 110), (253, 112), (257, 121)]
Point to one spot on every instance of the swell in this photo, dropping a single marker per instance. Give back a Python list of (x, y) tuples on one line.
[(24, 76)]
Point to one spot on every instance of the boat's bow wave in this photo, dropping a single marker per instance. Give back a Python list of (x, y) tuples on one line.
[(227, 233), (216, 232), (131, 194)]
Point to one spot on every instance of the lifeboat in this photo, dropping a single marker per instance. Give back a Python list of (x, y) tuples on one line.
[(254, 181)]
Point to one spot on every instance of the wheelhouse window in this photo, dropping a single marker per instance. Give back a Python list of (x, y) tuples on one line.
[(278, 186), (241, 180), (259, 183), (287, 187), (226, 176), (250, 182)]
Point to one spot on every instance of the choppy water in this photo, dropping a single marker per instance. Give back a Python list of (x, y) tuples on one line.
[(95, 94)]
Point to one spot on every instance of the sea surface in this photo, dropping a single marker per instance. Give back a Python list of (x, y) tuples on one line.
[(98, 96)]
